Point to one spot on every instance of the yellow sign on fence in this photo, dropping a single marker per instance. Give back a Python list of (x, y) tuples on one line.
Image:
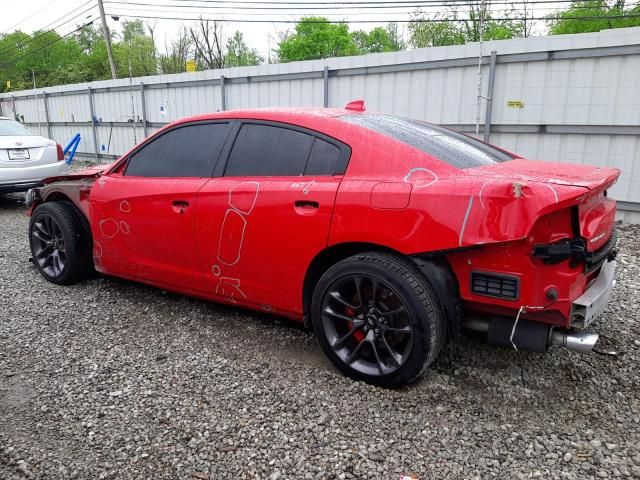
[(191, 65), (515, 103), (8, 84)]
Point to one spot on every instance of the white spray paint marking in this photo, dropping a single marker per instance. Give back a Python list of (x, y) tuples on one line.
[(227, 286), (124, 227), (555, 194), (230, 288), (482, 189), (125, 207), (255, 198), (464, 222), (304, 186), (109, 227), (420, 182)]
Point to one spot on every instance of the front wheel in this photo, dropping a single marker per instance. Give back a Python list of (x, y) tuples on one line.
[(60, 243), (377, 318)]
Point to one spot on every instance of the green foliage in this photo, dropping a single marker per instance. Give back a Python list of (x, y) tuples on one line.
[(136, 53), (379, 39), (566, 21), (316, 38), (445, 29), (238, 53)]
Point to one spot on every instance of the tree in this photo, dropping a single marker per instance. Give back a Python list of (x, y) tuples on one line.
[(136, 53), (315, 38), (597, 10), (178, 52), (238, 53), (378, 40), (208, 43)]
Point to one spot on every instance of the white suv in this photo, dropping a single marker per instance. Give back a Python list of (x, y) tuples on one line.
[(26, 158)]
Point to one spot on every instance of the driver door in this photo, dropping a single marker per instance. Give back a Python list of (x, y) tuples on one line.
[(143, 216)]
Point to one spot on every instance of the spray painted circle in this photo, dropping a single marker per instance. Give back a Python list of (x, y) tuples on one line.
[(124, 226), (125, 206), (216, 270), (109, 228)]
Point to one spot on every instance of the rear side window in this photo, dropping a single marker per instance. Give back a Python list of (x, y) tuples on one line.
[(268, 151), (188, 151), (454, 148), (323, 159)]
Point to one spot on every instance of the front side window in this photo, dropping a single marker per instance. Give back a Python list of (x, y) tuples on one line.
[(11, 128), (454, 148), (268, 151), (188, 151)]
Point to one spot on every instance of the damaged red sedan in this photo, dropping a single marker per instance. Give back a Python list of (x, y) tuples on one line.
[(387, 235)]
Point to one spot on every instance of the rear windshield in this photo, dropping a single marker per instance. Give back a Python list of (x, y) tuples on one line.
[(451, 147), (12, 128)]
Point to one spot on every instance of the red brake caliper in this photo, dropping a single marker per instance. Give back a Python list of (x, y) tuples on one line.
[(358, 335)]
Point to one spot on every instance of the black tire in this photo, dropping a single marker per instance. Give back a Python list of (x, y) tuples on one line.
[(61, 243), (387, 340)]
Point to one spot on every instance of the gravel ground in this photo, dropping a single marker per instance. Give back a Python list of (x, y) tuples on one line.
[(111, 379)]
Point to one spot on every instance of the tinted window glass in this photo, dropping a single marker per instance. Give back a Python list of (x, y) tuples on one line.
[(184, 152), (451, 147), (10, 128), (323, 158), (264, 150)]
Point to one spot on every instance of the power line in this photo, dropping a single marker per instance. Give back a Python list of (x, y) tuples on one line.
[(363, 4), (29, 16), (415, 20), (429, 4)]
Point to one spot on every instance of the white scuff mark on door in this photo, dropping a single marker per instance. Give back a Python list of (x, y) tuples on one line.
[(420, 177)]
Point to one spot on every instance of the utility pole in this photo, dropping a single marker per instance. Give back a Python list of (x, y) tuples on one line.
[(107, 39)]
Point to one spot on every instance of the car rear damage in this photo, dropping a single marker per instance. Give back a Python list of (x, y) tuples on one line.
[(549, 285)]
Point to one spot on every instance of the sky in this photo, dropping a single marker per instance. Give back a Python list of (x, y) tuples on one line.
[(30, 15)]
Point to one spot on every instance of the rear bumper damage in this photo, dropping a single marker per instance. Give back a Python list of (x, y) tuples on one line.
[(522, 334)]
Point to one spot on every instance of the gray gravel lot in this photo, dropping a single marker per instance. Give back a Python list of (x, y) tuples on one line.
[(111, 379)]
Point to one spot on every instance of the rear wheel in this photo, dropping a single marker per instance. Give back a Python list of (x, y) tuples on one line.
[(60, 243), (377, 318)]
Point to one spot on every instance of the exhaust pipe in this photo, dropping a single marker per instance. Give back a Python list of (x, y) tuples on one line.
[(581, 342), (532, 336)]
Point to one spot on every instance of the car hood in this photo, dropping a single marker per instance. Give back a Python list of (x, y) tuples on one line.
[(589, 177), (89, 172)]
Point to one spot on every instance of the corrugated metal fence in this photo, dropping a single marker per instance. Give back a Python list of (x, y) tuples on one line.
[(570, 98)]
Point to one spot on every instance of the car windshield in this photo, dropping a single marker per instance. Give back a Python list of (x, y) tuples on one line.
[(10, 128), (454, 148)]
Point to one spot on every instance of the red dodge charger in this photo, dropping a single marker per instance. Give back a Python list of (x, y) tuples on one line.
[(387, 235)]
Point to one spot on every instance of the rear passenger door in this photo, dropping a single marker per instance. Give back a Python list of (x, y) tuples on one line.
[(267, 213)]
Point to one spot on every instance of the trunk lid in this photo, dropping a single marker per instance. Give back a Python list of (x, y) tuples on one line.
[(596, 211), (16, 151)]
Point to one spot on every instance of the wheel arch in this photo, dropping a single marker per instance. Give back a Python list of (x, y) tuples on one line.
[(434, 268)]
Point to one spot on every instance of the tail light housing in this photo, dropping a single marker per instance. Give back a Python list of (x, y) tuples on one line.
[(60, 152)]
